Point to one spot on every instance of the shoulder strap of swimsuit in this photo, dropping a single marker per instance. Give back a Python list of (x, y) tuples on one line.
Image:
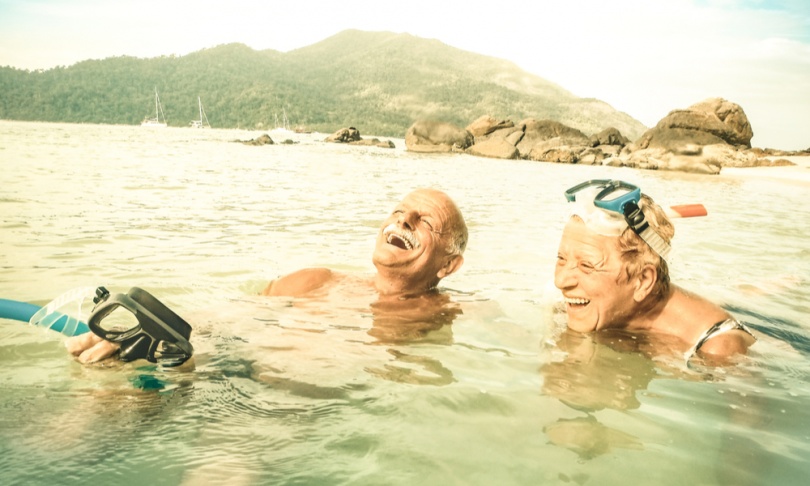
[(729, 324)]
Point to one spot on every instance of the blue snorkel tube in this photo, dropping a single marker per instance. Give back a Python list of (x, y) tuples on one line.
[(53, 316)]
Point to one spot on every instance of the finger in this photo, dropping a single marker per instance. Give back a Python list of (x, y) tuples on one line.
[(99, 351), (77, 344)]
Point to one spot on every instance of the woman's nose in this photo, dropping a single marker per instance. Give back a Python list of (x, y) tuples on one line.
[(564, 276)]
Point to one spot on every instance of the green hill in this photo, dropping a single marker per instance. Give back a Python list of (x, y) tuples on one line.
[(379, 82)]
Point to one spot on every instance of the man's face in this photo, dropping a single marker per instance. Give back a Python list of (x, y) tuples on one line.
[(415, 237), (589, 273)]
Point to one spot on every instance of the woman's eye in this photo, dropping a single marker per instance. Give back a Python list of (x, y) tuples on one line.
[(586, 267), (427, 223)]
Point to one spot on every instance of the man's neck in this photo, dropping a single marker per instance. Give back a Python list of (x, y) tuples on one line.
[(390, 284)]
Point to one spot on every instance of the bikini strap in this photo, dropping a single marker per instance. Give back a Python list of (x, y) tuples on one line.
[(729, 324)]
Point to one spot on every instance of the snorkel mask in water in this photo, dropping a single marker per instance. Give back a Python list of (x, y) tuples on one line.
[(608, 207), (160, 336)]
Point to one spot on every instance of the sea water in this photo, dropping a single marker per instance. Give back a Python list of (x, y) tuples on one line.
[(312, 391)]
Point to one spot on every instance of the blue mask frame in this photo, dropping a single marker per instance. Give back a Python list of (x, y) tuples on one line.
[(610, 186)]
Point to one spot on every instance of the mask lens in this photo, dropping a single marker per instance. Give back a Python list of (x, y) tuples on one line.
[(616, 193), (119, 321)]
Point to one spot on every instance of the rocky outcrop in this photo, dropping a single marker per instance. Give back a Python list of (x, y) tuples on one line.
[(703, 138), (352, 136), (769, 152), (427, 136), (260, 140), (344, 135), (374, 142)]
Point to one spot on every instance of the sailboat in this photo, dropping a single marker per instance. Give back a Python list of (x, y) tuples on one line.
[(155, 122), (203, 121), (284, 126)]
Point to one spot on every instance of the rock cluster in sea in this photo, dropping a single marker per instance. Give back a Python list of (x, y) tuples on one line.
[(703, 138), (352, 136)]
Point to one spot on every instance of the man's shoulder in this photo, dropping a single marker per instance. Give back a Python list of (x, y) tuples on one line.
[(299, 283)]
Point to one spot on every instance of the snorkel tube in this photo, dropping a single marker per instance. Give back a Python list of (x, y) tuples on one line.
[(63, 314)]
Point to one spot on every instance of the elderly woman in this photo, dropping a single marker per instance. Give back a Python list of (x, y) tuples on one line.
[(612, 270)]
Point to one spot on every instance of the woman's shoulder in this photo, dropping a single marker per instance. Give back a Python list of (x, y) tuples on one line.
[(708, 328)]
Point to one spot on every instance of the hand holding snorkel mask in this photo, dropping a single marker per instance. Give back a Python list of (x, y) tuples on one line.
[(160, 336), (148, 330)]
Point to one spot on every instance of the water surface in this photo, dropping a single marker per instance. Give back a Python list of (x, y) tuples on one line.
[(324, 391)]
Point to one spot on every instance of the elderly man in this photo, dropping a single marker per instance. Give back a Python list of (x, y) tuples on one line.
[(419, 243)]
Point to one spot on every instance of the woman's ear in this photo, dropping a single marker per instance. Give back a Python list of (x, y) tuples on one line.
[(452, 264), (645, 282)]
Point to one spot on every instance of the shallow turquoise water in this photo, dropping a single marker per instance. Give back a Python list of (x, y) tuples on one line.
[(322, 391)]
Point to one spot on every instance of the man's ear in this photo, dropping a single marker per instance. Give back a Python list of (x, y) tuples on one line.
[(645, 282), (452, 264)]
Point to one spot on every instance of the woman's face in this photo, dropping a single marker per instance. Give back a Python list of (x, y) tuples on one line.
[(590, 274)]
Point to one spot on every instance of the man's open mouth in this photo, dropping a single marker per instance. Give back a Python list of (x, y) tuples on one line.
[(404, 240)]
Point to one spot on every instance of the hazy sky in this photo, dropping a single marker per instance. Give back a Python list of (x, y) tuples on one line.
[(644, 57)]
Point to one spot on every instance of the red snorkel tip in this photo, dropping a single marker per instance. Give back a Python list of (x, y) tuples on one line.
[(686, 211)]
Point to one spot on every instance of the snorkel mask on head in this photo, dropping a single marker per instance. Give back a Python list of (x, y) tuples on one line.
[(608, 207)]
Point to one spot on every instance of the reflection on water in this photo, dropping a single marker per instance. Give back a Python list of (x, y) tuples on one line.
[(455, 389)]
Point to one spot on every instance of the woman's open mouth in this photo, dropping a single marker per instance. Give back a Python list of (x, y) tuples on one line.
[(576, 301)]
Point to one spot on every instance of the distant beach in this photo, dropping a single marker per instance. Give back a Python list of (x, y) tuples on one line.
[(799, 173)]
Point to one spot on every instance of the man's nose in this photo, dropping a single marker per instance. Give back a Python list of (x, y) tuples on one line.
[(408, 219)]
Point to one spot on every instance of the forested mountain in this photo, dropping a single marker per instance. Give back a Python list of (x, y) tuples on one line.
[(378, 82)]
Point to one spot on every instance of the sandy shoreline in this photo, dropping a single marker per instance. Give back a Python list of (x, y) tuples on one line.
[(799, 173)]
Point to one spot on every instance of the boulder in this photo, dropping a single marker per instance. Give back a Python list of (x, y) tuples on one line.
[(609, 150), (663, 159), (374, 142), (514, 137), (593, 156), (344, 135), (430, 136), (485, 125), (555, 150), (536, 131), (708, 122), (778, 162), (260, 140), (496, 148), (609, 136), (724, 155)]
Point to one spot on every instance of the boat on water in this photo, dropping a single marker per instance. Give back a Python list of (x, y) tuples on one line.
[(284, 126), (159, 121), (203, 121)]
